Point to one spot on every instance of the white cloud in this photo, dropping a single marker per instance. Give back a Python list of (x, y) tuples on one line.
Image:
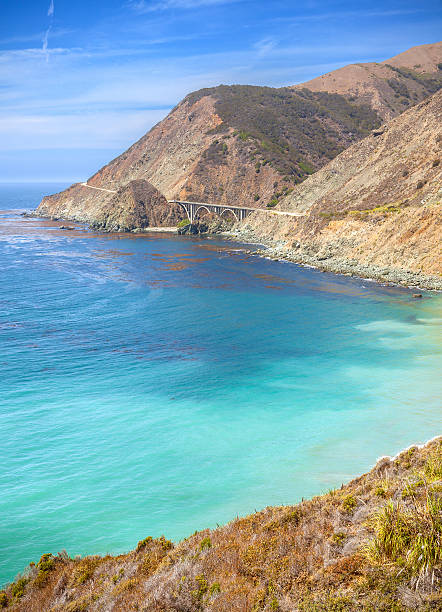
[(51, 9)]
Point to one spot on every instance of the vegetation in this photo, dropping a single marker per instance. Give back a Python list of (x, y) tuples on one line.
[(183, 223), (294, 131), (374, 544), (429, 82)]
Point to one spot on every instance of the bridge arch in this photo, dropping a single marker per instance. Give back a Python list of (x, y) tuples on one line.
[(188, 213), (200, 208), (229, 210)]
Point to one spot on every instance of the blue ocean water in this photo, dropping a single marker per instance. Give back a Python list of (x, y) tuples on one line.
[(159, 384)]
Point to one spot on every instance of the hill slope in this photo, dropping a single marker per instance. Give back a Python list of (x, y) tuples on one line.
[(235, 144), (375, 210), (374, 544), (388, 87)]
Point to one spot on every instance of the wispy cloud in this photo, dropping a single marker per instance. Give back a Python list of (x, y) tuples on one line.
[(48, 31), (265, 46), (146, 6)]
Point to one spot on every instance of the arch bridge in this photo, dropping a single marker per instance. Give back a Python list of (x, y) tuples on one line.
[(192, 209)]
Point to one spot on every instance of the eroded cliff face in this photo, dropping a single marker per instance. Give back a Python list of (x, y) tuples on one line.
[(377, 204)]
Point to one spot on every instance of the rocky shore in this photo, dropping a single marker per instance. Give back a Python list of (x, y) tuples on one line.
[(304, 255)]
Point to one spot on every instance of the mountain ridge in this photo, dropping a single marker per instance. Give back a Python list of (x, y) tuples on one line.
[(216, 146)]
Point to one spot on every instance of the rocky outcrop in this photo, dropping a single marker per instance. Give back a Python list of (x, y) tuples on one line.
[(375, 210), (136, 206), (373, 544)]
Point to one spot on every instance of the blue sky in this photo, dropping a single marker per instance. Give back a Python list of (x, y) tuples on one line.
[(80, 81)]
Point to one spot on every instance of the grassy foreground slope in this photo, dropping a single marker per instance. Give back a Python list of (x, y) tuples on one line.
[(374, 544)]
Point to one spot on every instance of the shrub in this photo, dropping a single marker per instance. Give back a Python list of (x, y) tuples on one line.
[(435, 163), (215, 588), (18, 588), (348, 503), (256, 197), (205, 543), (3, 600), (272, 203), (86, 569), (202, 588), (409, 538), (182, 223), (420, 184)]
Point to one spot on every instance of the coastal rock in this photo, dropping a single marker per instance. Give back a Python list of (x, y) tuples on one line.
[(136, 206)]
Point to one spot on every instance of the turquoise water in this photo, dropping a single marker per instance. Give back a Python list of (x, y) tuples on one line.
[(160, 384)]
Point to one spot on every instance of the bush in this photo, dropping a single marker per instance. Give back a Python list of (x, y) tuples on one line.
[(205, 543), (348, 503), (409, 538), (182, 223), (18, 588), (272, 203)]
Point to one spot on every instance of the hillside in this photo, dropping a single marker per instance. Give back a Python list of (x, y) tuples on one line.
[(374, 210), (373, 544), (237, 144), (388, 87)]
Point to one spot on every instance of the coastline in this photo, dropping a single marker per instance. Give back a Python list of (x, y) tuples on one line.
[(278, 251)]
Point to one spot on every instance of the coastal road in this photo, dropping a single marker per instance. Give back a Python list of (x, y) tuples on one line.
[(98, 188)]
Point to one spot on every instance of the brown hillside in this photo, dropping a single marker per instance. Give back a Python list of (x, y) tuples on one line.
[(377, 204), (250, 145), (389, 87), (374, 544)]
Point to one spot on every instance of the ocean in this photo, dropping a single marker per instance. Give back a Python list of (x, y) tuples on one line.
[(161, 384)]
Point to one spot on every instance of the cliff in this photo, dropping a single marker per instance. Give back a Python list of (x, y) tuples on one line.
[(245, 145), (375, 210), (373, 544)]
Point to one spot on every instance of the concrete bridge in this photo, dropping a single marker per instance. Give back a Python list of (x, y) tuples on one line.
[(193, 208)]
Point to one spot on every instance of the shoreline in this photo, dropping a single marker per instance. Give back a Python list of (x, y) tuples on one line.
[(342, 267), (277, 251)]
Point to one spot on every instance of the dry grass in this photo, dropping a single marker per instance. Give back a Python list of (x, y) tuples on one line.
[(374, 544)]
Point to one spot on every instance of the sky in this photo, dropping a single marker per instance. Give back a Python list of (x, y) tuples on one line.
[(81, 80)]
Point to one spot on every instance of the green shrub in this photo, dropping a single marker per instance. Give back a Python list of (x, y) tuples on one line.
[(205, 543), (410, 538), (215, 588), (272, 203), (348, 503), (18, 588), (3, 600), (182, 223)]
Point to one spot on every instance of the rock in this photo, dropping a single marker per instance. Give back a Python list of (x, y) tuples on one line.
[(137, 206), (417, 295)]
